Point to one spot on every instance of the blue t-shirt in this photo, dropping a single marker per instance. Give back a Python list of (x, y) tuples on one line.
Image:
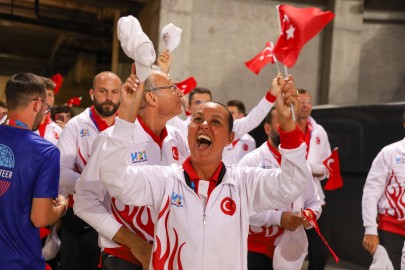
[(29, 168)]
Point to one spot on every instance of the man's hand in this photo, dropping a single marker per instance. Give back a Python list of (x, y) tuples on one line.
[(131, 96), (290, 221), (370, 243), (141, 249), (142, 252), (305, 221), (286, 96), (164, 61), (276, 84)]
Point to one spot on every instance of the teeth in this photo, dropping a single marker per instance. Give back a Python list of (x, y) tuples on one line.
[(203, 137)]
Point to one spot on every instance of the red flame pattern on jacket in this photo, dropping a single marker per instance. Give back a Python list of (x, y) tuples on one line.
[(395, 195), (160, 257), (132, 215)]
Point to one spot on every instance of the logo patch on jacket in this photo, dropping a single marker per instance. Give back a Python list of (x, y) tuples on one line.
[(139, 157), (400, 160), (84, 132), (228, 206), (317, 140), (245, 147), (177, 200), (175, 153)]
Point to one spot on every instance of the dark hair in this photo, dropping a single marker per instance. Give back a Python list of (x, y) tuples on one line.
[(269, 118), (198, 90), (49, 84), (21, 88), (238, 104), (230, 117), (3, 104), (61, 109), (302, 91)]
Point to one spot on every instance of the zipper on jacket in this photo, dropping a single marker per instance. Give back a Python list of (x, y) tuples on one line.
[(204, 218)]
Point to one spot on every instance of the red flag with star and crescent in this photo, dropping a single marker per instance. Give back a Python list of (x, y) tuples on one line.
[(333, 165), (187, 85), (259, 61), (298, 26)]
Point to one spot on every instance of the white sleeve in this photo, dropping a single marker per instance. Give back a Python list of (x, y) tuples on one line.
[(132, 185), (249, 160), (318, 167), (373, 190), (266, 218), (67, 145), (253, 119), (277, 188), (312, 199), (91, 197)]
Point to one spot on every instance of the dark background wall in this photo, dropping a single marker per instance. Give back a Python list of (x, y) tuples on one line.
[(359, 132)]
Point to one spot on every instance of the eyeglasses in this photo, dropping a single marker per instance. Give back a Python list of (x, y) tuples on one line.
[(48, 108), (173, 87), (306, 102)]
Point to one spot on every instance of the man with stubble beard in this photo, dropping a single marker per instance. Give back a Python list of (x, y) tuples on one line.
[(79, 247)]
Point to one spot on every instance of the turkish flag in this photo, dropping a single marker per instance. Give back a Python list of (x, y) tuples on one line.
[(57, 79), (333, 165), (259, 61), (298, 26), (187, 85)]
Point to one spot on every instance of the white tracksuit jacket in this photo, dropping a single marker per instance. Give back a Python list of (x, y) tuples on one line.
[(319, 150), (75, 145), (383, 191), (52, 132), (264, 226), (234, 152), (188, 233), (94, 205)]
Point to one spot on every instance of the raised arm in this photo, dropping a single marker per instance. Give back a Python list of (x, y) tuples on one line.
[(164, 61), (258, 113), (131, 97), (280, 187)]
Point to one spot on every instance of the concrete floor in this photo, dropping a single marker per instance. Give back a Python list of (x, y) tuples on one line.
[(342, 265)]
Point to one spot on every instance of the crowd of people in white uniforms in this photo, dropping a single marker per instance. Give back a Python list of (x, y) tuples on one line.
[(148, 190)]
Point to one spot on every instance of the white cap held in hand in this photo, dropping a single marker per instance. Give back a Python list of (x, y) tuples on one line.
[(171, 36), (136, 45)]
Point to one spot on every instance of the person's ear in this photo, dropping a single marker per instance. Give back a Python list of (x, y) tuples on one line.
[(91, 93), (150, 98), (229, 140), (37, 106), (267, 128)]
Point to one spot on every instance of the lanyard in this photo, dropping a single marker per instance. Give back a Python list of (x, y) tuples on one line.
[(15, 123)]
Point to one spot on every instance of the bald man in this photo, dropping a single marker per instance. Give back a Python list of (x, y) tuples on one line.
[(79, 246)]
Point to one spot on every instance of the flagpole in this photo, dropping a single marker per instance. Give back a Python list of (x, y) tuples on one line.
[(274, 57), (294, 118)]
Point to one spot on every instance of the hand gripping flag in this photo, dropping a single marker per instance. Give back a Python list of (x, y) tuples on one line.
[(318, 231), (187, 85), (259, 61), (333, 165), (298, 26)]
